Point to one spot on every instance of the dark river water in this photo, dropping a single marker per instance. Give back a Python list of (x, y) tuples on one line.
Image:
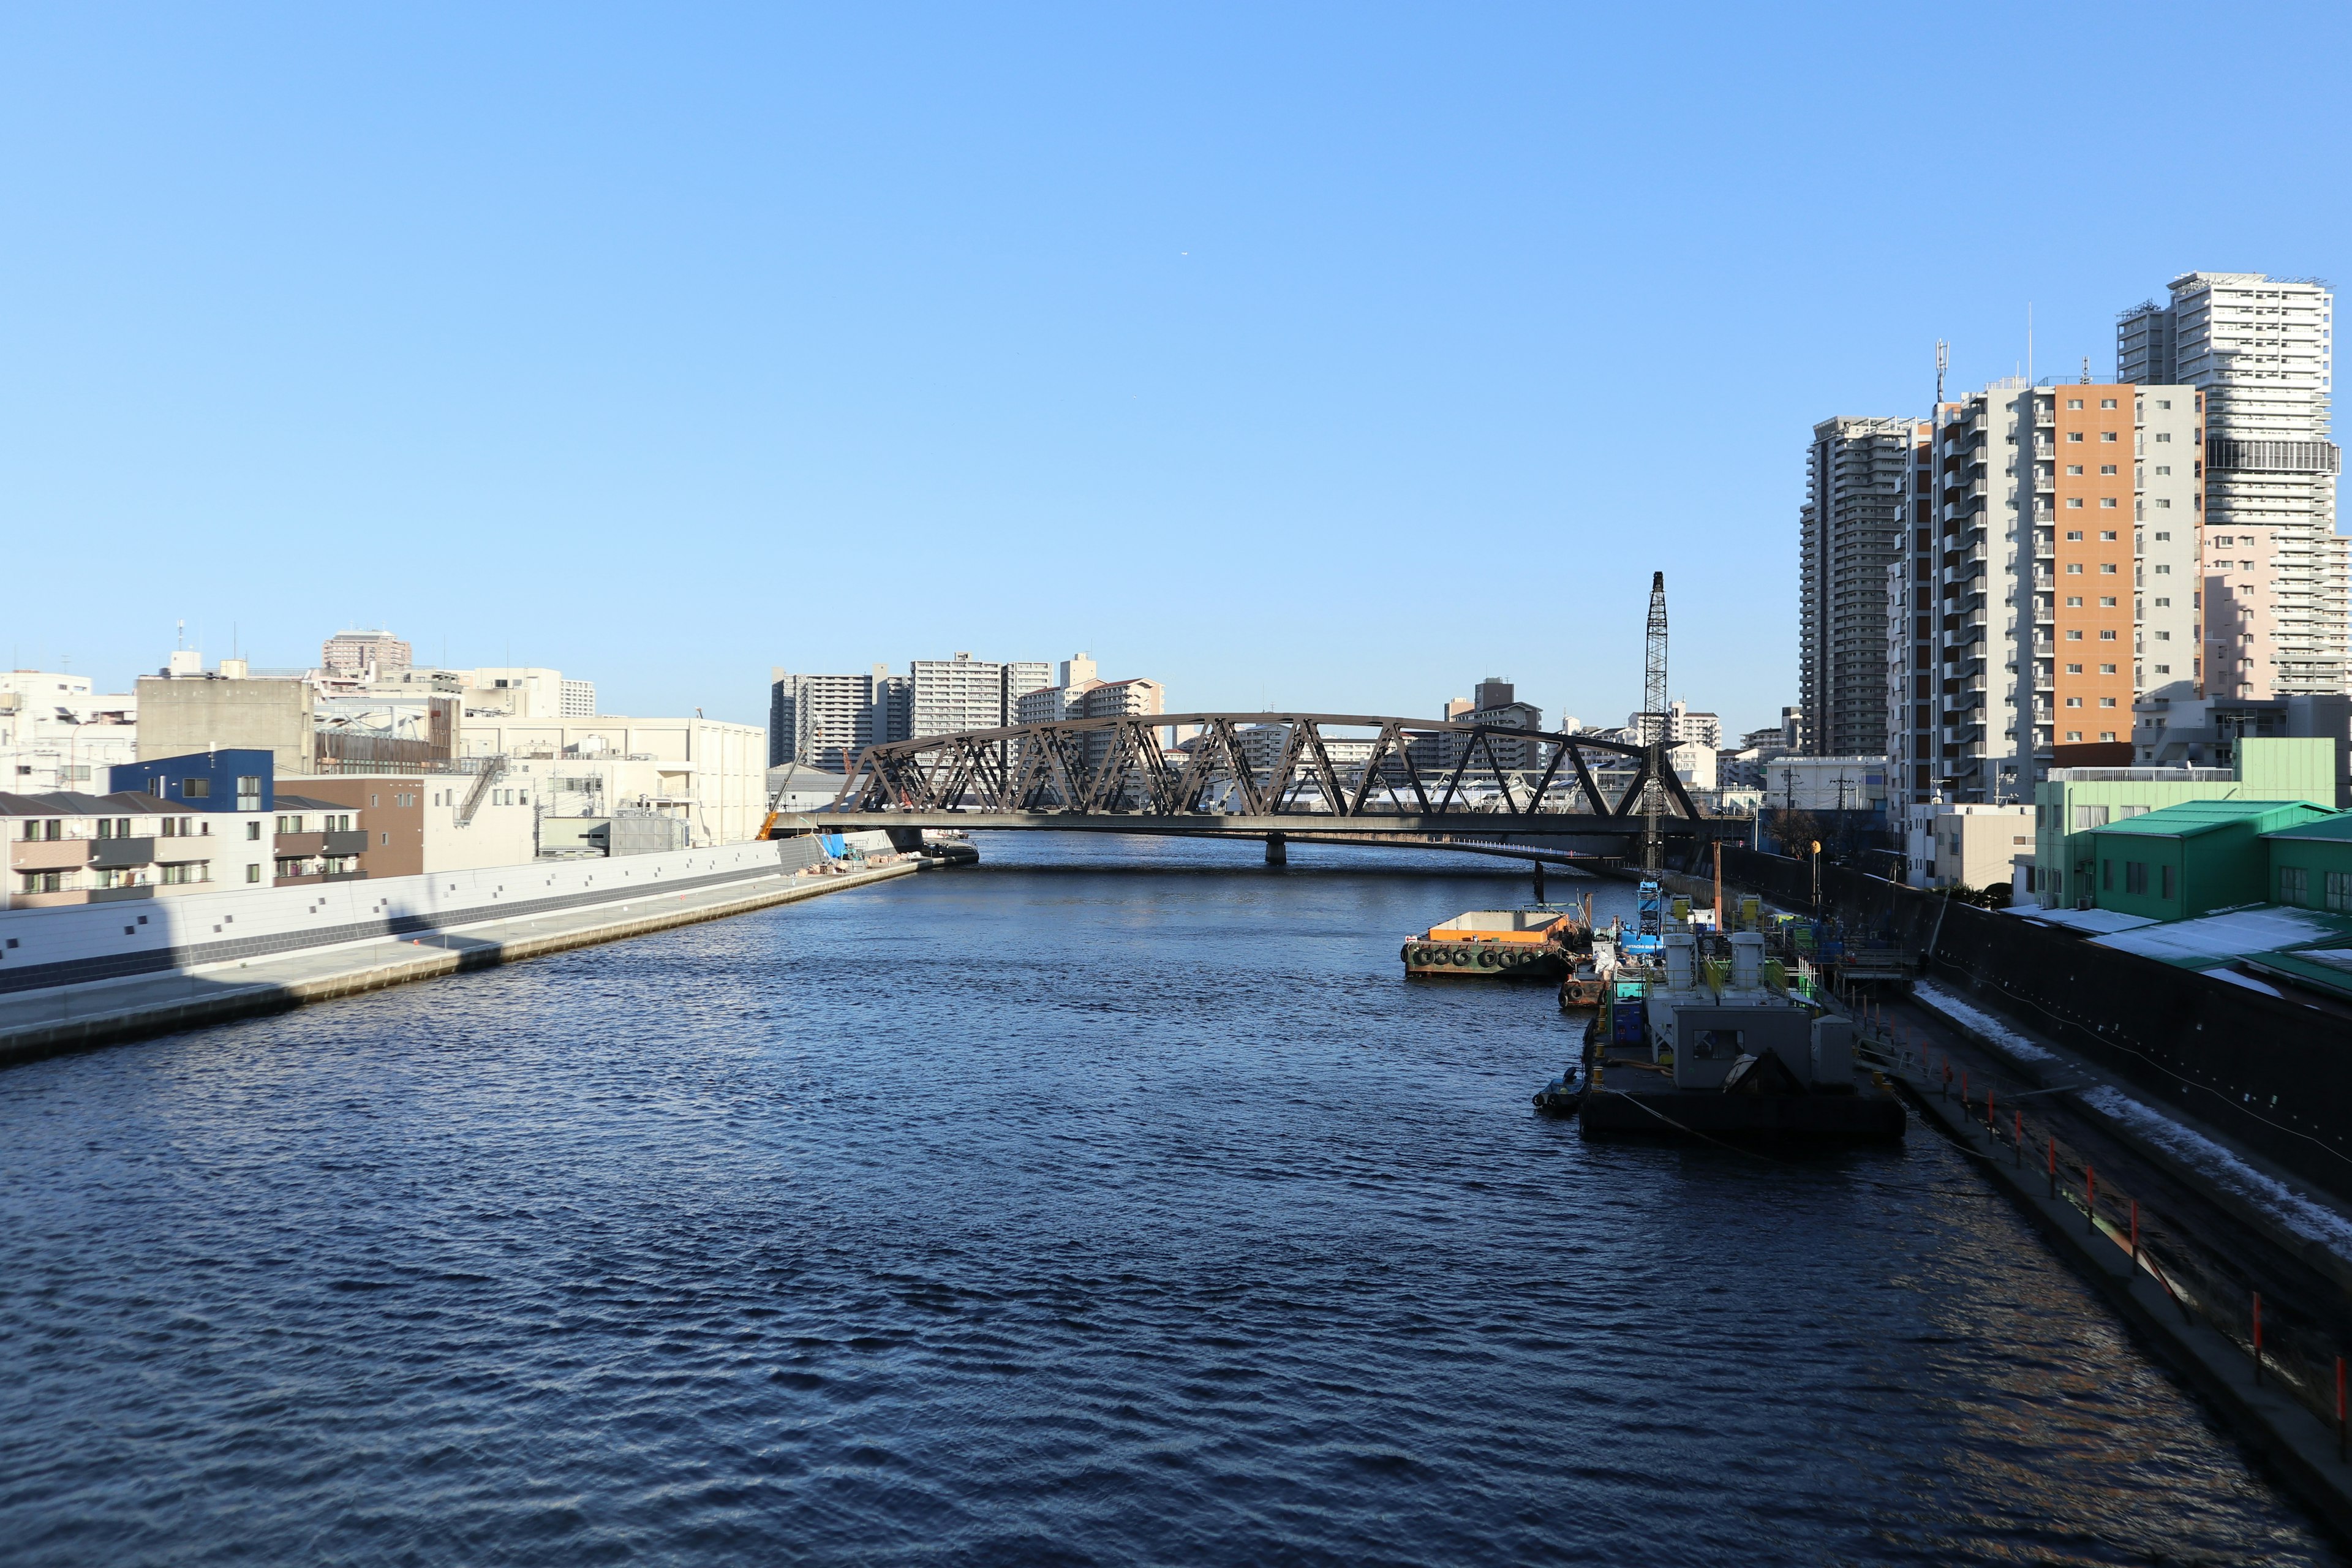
[(1111, 1204)]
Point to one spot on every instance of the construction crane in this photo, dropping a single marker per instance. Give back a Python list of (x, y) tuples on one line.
[(1654, 721)]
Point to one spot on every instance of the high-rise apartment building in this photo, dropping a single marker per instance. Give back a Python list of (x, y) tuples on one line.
[(352, 652), (1856, 483), (2276, 581), (2048, 578), (826, 720), (967, 693)]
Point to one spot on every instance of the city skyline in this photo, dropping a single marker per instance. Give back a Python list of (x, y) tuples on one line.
[(654, 326)]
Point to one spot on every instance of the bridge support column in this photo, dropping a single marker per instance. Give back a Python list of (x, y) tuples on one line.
[(1277, 850), (1539, 898)]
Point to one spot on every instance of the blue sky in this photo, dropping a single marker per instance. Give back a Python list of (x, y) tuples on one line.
[(1321, 357)]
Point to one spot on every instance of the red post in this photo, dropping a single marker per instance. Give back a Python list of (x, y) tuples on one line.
[(2135, 1235), (2091, 1197), (2258, 1336), (1948, 1075), (1964, 1089), (1990, 1121), (2021, 1140)]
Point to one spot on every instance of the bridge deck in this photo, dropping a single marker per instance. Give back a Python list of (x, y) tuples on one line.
[(1545, 824)]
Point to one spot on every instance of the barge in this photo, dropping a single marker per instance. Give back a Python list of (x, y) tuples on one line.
[(1714, 1050), (1535, 942)]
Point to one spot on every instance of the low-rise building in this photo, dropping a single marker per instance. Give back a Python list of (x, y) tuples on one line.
[(707, 772), (57, 733), (429, 822), (2073, 803), (2188, 859), (1964, 846)]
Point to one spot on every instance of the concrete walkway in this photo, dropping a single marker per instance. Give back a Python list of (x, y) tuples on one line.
[(43, 1023)]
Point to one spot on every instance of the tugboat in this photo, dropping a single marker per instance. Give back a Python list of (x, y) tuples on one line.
[(1588, 974), (1534, 941)]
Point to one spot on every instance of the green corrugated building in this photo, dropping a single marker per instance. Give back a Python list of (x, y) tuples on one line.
[(2311, 864), (2074, 804), (2183, 860)]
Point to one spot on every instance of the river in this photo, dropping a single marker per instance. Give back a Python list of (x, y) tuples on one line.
[(1115, 1201)]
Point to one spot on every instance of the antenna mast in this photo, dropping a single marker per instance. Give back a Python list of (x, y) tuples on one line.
[(1654, 722)]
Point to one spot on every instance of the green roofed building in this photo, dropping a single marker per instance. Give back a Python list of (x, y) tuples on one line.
[(2074, 804), (2180, 861), (2311, 864)]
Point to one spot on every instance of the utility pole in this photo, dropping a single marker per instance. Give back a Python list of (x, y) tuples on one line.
[(1654, 721)]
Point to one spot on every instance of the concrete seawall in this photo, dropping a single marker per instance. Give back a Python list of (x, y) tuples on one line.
[(71, 1017)]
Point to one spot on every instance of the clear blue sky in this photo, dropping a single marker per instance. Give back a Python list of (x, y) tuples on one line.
[(1324, 357)]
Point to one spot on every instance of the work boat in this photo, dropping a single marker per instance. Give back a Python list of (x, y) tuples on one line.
[(1720, 1050), (1534, 941)]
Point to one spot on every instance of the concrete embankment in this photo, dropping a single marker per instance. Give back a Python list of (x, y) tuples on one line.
[(2306, 1455), (46, 1023)]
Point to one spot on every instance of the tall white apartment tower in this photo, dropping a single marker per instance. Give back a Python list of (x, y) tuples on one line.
[(1850, 527), (2276, 581)]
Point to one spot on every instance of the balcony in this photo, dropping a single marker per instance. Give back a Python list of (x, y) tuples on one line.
[(115, 854), (346, 841), (290, 846), (168, 850), (49, 854)]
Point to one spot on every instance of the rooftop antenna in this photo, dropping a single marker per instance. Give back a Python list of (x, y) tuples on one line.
[(2087, 370), (182, 641), (1943, 358), (2029, 342)]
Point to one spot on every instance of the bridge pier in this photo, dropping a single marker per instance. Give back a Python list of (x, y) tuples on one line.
[(1539, 890), (1277, 850)]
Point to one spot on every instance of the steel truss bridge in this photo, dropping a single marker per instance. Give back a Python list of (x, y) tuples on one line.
[(1389, 779)]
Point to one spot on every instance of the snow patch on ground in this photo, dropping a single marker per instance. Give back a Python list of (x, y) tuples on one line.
[(1982, 1022), (2289, 1207)]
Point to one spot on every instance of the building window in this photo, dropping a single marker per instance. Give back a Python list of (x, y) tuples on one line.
[(2073, 569), (2106, 669), (2164, 402), (2163, 435), (2107, 503), (2163, 572), (2073, 503), (2074, 470), (45, 882), (2106, 568), (2163, 668), (253, 830), (2106, 637), (2073, 734), (2106, 867), (2107, 435), (253, 872), (2167, 882), (2074, 702), (2075, 437), (2073, 536), (2339, 892), (2074, 636), (2106, 601), (2107, 403), (2295, 885), (2073, 601), (2136, 877), (2074, 669), (2074, 403), (196, 789), (188, 871), (2107, 701), (384, 837), (2107, 467)]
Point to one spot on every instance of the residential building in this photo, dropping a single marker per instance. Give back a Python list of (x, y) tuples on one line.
[(828, 720), (424, 823), (2276, 578), (56, 733), (2034, 611), (961, 693), (1135, 697), (1964, 846), (316, 841), (1078, 670), (361, 652), (576, 699), (1856, 486), (2071, 803), (72, 848)]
